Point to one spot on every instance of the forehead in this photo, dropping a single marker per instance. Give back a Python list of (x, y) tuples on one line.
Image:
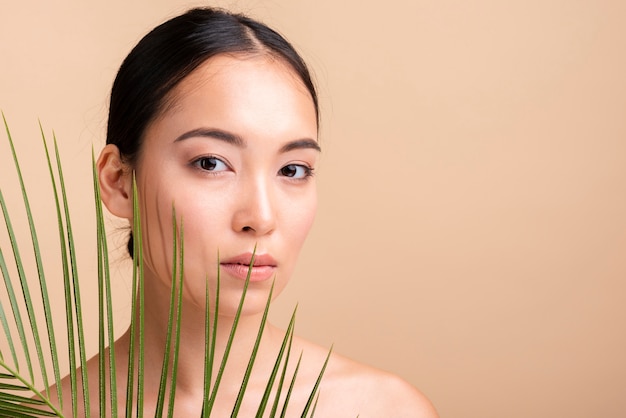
[(257, 98), (239, 77)]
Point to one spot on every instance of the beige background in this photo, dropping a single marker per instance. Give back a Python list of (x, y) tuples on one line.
[(471, 235)]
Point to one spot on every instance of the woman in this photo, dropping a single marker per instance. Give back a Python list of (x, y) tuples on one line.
[(216, 116)]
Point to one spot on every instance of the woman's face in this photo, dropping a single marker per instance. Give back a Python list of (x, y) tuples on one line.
[(233, 152)]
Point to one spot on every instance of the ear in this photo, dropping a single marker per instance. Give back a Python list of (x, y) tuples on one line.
[(115, 180)]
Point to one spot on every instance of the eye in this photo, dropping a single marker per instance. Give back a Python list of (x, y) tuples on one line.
[(296, 171), (210, 164)]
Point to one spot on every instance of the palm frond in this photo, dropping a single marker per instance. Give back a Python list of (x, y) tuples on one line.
[(179, 306), (42, 282), (283, 412), (286, 345), (19, 396), (11, 381), (3, 316), (231, 337), (317, 384), (255, 349), (69, 316), (170, 323)]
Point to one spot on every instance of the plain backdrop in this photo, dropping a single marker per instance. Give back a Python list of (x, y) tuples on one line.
[(471, 233)]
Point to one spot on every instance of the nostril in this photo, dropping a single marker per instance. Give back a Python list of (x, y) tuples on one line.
[(247, 228)]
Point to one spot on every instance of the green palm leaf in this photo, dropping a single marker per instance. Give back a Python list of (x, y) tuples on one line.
[(286, 345), (42, 281), (170, 323), (19, 396), (179, 306)]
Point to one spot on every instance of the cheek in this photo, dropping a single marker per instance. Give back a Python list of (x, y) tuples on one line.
[(157, 226), (160, 198), (204, 225), (300, 219)]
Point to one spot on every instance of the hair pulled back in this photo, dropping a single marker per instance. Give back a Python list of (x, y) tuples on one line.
[(169, 53)]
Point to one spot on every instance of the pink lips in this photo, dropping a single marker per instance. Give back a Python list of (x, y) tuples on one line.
[(238, 266)]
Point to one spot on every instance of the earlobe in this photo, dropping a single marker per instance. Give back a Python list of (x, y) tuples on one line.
[(115, 182)]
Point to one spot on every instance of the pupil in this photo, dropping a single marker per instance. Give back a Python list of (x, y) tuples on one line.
[(289, 171), (208, 164)]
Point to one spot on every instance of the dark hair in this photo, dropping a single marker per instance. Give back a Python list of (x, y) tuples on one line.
[(169, 53)]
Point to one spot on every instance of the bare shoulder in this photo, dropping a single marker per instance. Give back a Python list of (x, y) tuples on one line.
[(375, 392), (350, 388)]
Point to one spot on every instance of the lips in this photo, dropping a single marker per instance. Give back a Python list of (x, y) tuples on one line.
[(263, 269)]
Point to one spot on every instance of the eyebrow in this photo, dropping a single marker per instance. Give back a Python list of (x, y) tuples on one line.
[(301, 144), (236, 140), (215, 134)]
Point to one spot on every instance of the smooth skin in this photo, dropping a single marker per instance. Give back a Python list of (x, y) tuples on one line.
[(234, 151)]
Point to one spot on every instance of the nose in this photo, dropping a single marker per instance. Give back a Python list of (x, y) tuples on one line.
[(255, 209)]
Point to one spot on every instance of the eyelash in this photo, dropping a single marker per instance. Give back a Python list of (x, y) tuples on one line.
[(196, 163), (308, 172)]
